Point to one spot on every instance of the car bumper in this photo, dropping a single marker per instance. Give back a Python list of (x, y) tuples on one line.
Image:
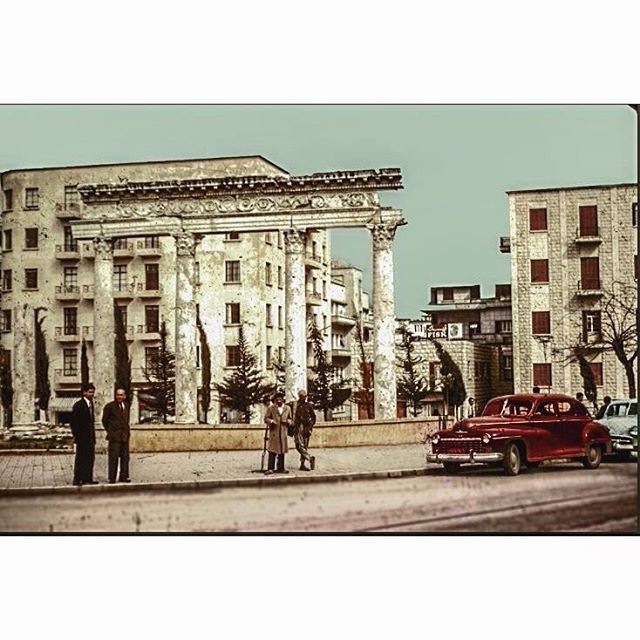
[(464, 457)]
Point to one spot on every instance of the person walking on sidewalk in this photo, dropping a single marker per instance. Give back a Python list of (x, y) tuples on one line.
[(278, 419), (84, 437), (115, 420), (304, 419)]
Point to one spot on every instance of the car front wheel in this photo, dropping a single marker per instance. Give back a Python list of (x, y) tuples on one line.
[(512, 460), (593, 458)]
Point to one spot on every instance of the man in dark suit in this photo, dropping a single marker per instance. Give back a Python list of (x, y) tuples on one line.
[(115, 420), (84, 436)]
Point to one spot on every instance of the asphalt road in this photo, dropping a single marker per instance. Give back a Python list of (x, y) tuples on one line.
[(554, 498)]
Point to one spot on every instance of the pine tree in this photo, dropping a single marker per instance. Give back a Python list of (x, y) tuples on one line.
[(451, 377), (412, 387), (121, 352), (325, 391), (84, 364), (205, 361), (43, 389), (245, 387), (160, 372)]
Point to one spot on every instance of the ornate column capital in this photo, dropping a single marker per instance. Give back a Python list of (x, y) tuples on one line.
[(295, 240), (103, 247), (185, 244), (383, 235)]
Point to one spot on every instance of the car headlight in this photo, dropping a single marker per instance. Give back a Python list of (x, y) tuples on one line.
[(486, 438), (435, 439)]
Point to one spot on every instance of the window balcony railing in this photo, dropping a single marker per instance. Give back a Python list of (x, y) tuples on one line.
[(314, 298), (149, 290), (148, 249), (123, 250), (68, 292), (68, 251), (67, 334), (71, 376), (123, 291), (589, 288), (313, 260), (65, 210), (148, 332), (588, 234)]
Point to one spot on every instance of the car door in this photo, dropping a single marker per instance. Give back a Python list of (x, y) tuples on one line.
[(573, 418), (545, 439)]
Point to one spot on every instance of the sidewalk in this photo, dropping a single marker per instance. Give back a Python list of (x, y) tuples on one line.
[(33, 471)]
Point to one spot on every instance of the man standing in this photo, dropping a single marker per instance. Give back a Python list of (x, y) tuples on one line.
[(84, 437), (115, 420), (603, 409), (470, 408), (277, 418), (304, 419)]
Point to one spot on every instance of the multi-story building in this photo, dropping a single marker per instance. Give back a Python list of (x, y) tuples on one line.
[(43, 267), (571, 250)]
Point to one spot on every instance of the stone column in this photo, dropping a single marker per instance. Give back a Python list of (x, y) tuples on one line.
[(384, 321), (185, 330), (104, 377), (295, 313), (23, 368)]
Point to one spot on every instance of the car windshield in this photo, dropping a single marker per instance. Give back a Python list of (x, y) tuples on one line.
[(633, 409), (507, 407), (618, 409)]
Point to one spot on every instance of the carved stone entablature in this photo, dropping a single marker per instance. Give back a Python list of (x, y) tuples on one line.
[(103, 248), (294, 241), (185, 244), (383, 235)]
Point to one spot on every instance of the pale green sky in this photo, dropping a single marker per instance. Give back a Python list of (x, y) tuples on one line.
[(457, 164)]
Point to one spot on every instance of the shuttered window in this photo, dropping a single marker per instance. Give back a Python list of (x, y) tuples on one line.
[(588, 221), (540, 271), (596, 368), (589, 273), (541, 375), (537, 219), (541, 323)]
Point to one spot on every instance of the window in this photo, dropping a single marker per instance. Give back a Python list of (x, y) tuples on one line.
[(152, 276), (31, 198), (268, 315), (324, 252), (70, 362), (315, 285), (481, 370), (123, 315), (281, 355), (8, 240), (31, 238), (70, 315), (120, 277), (591, 324), (267, 237), (269, 362), (69, 243), (540, 270), (541, 375), (70, 278), (324, 289), (152, 318), (588, 221), (267, 274), (447, 294), (503, 326), (589, 273), (6, 280), (232, 271), (634, 214), (151, 359), (30, 278), (474, 329), (596, 369), (232, 236), (541, 323), (279, 239), (434, 371), (120, 243), (366, 334), (280, 325), (232, 312), (151, 242), (537, 219), (8, 199), (196, 273), (233, 355), (280, 280), (71, 197), (197, 356), (506, 368), (5, 319), (546, 409)]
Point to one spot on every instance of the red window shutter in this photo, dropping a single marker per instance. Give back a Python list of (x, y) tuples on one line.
[(540, 271), (541, 375), (590, 273), (588, 221), (596, 368), (541, 322), (537, 219)]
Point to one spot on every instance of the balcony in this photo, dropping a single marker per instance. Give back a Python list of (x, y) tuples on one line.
[(123, 250), (147, 333), (87, 291), (340, 353), (71, 376), (313, 298), (588, 288), (67, 334), (67, 251), (68, 292), (145, 292), (505, 244), (144, 250), (67, 210), (124, 291), (313, 260), (343, 320), (588, 235)]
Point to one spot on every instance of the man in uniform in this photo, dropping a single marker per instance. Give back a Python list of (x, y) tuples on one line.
[(304, 419), (115, 420), (84, 437)]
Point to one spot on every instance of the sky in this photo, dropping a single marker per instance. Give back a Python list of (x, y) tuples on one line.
[(457, 163)]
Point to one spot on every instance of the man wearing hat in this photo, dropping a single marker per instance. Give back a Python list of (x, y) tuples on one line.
[(277, 418), (304, 418)]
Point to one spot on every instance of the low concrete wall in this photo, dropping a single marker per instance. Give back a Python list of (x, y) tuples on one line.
[(155, 438)]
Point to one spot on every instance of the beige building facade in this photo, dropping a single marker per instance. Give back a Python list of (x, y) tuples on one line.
[(570, 249)]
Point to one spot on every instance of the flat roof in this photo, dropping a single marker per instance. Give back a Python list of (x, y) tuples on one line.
[(574, 188)]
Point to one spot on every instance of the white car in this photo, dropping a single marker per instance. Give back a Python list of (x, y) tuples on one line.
[(621, 418)]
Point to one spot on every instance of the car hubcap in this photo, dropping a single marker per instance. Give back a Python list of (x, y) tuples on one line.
[(513, 458)]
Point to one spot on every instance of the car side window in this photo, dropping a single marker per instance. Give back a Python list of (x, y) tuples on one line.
[(633, 409), (546, 409), (567, 409)]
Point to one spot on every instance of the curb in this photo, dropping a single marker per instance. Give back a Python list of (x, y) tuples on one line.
[(34, 452), (207, 484)]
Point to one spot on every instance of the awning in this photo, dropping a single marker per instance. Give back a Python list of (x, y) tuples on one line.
[(61, 404)]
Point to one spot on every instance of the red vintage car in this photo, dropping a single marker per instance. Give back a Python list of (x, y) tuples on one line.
[(522, 429)]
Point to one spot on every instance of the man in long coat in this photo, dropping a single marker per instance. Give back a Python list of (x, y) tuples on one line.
[(115, 420), (277, 418), (304, 419), (84, 437)]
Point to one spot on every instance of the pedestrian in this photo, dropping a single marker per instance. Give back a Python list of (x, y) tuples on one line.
[(278, 419), (115, 420), (470, 408), (304, 419), (84, 436), (603, 409)]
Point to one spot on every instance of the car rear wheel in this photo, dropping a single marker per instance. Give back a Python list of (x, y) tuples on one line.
[(512, 460), (451, 467), (593, 458)]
